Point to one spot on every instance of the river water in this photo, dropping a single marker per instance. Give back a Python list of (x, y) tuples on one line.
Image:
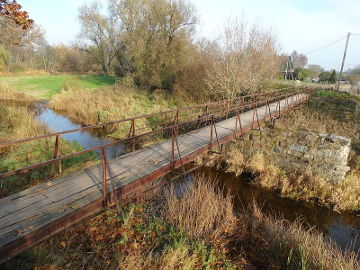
[(343, 228), (57, 122)]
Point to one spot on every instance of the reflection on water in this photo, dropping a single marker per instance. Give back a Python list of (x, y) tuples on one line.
[(87, 138), (344, 229)]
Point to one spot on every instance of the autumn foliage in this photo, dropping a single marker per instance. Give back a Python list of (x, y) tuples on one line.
[(13, 11)]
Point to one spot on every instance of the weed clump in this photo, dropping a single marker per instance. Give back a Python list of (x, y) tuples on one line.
[(116, 103), (151, 234), (272, 170)]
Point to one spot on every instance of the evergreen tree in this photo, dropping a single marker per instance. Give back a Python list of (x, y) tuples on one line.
[(333, 76)]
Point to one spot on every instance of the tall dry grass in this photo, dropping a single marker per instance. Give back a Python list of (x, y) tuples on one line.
[(8, 95), (202, 211), (181, 236), (18, 123), (109, 104), (272, 171), (302, 248)]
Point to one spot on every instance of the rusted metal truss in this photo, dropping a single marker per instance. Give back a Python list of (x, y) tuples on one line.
[(205, 114)]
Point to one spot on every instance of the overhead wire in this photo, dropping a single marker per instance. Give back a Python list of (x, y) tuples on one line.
[(328, 45)]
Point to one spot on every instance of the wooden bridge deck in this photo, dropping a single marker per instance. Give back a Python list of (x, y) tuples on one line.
[(34, 214)]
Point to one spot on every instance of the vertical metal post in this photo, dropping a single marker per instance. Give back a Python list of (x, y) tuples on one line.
[(236, 123), (253, 119), (56, 155), (257, 117), (103, 165), (133, 135), (279, 113), (211, 135), (268, 105), (172, 154), (227, 109), (287, 102), (176, 121), (206, 113), (114, 199), (217, 138)]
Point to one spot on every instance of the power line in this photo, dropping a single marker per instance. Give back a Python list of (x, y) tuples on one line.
[(323, 60), (334, 62), (326, 45)]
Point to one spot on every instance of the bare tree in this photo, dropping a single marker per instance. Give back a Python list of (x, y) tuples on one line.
[(299, 60), (99, 35), (246, 58), (11, 35)]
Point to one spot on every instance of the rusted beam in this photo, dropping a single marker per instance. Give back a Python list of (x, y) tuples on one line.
[(94, 207)]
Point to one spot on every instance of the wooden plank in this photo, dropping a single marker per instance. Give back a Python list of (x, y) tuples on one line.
[(63, 198)]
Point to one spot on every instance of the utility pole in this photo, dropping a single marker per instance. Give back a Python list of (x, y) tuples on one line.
[(343, 61)]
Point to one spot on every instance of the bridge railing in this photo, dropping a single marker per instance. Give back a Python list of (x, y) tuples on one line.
[(195, 117)]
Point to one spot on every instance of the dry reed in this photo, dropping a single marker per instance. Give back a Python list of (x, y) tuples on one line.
[(202, 211), (140, 239), (8, 95), (308, 244)]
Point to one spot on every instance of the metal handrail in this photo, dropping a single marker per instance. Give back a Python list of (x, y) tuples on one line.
[(205, 117), (10, 143)]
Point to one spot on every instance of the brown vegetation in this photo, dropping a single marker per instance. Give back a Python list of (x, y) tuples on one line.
[(109, 104), (18, 123), (8, 95), (152, 235), (246, 60), (202, 211), (151, 44), (271, 172)]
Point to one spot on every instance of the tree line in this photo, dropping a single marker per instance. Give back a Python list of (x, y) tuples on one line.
[(152, 44)]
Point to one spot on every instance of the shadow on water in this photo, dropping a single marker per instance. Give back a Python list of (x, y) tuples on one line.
[(87, 138), (344, 228)]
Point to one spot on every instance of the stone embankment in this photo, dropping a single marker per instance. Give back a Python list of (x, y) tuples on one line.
[(324, 154)]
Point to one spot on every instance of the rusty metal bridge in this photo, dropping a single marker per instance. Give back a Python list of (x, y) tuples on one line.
[(36, 213)]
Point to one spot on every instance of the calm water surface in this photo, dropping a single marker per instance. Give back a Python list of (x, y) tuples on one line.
[(344, 229), (87, 138)]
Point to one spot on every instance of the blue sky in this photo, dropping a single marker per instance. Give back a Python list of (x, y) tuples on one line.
[(302, 25)]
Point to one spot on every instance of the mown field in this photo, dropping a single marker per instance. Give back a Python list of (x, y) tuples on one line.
[(45, 86)]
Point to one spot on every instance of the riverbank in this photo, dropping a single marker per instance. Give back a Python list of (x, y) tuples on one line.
[(118, 102), (18, 121), (45, 86), (198, 230), (259, 155)]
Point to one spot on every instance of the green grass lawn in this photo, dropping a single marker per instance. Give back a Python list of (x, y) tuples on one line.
[(45, 86)]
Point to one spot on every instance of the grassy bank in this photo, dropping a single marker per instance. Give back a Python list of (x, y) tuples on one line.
[(45, 86), (328, 112), (115, 103), (18, 122), (197, 231)]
